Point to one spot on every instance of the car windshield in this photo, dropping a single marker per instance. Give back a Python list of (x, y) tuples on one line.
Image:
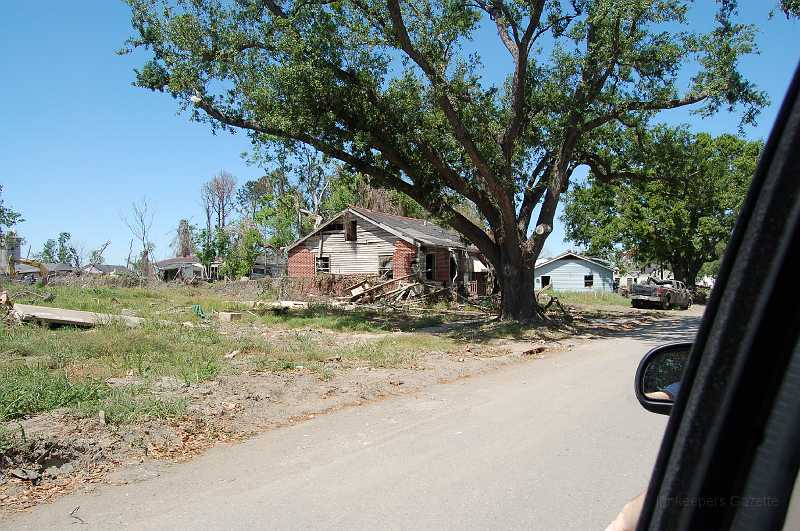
[(311, 264)]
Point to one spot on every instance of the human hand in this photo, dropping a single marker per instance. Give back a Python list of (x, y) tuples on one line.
[(629, 516)]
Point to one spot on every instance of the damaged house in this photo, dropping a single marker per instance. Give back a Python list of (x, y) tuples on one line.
[(360, 241), (180, 267)]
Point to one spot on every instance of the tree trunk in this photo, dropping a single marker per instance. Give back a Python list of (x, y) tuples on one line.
[(516, 285), (685, 272)]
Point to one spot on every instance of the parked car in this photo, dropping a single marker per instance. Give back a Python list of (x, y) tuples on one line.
[(664, 294)]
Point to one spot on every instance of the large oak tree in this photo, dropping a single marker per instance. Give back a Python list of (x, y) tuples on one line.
[(679, 209), (388, 88)]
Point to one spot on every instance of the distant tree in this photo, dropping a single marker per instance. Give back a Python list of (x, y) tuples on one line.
[(281, 218), (183, 244), (8, 217), (140, 223), (219, 194), (242, 251), (96, 255), (48, 252), (349, 188), (681, 217), (60, 250), (790, 8), (389, 89), (250, 194)]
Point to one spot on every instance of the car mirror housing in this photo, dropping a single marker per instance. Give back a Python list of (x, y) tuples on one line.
[(658, 378)]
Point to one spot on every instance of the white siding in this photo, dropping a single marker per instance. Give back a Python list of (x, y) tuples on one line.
[(568, 275), (360, 256)]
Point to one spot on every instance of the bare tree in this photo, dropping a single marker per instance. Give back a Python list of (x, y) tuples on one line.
[(218, 193), (140, 224), (130, 253)]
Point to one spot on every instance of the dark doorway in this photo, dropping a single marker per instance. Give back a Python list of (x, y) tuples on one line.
[(430, 266)]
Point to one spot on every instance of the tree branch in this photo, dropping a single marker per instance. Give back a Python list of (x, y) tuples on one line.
[(459, 130), (652, 105)]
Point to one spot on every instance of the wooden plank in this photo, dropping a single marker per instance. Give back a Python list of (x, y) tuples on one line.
[(63, 316), (373, 288)]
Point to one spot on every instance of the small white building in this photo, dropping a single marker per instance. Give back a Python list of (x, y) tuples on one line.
[(573, 272)]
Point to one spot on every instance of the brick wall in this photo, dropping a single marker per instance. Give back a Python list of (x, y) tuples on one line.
[(301, 262), (442, 272), (404, 254)]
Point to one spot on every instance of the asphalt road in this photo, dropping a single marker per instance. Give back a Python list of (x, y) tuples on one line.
[(552, 444)]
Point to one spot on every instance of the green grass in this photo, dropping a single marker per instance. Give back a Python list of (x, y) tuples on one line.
[(132, 404), (331, 318), (42, 368), (25, 390), (11, 438), (591, 298), (150, 351), (389, 352), (173, 303)]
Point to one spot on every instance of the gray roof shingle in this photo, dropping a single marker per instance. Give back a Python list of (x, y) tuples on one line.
[(421, 230)]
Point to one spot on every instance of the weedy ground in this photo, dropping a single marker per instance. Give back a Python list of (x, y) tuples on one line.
[(183, 380)]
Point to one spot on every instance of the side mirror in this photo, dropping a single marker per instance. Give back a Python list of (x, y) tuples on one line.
[(658, 378)]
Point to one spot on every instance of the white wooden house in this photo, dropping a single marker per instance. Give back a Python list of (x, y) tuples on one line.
[(574, 272)]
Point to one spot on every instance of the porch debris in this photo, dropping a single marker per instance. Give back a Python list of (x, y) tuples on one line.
[(359, 294)]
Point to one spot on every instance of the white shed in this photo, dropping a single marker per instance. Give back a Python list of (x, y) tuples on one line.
[(573, 272)]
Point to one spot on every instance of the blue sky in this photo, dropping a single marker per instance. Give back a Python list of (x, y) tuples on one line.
[(78, 143)]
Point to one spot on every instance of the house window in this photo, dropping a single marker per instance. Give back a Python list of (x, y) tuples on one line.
[(588, 281), (545, 281), (322, 264), (350, 234), (386, 266), (430, 266)]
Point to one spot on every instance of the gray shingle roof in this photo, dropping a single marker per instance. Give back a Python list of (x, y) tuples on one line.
[(421, 230), (178, 260), (412, 230), (108, 268), (602, 263)]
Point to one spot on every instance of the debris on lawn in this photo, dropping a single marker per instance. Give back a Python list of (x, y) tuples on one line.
[(534, 351), (229, 317), (198, 311), (60, 316)]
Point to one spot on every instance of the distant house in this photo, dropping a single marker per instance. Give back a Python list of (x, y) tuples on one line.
[(105, 269), (32, 273), (574, 272), (182, 267), (59, 269), (362, 241)]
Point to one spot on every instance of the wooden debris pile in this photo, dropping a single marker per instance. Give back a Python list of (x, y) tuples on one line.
[(396, 290), (541, 309)]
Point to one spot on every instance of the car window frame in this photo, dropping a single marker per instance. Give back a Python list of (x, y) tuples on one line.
[(706, 453)]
